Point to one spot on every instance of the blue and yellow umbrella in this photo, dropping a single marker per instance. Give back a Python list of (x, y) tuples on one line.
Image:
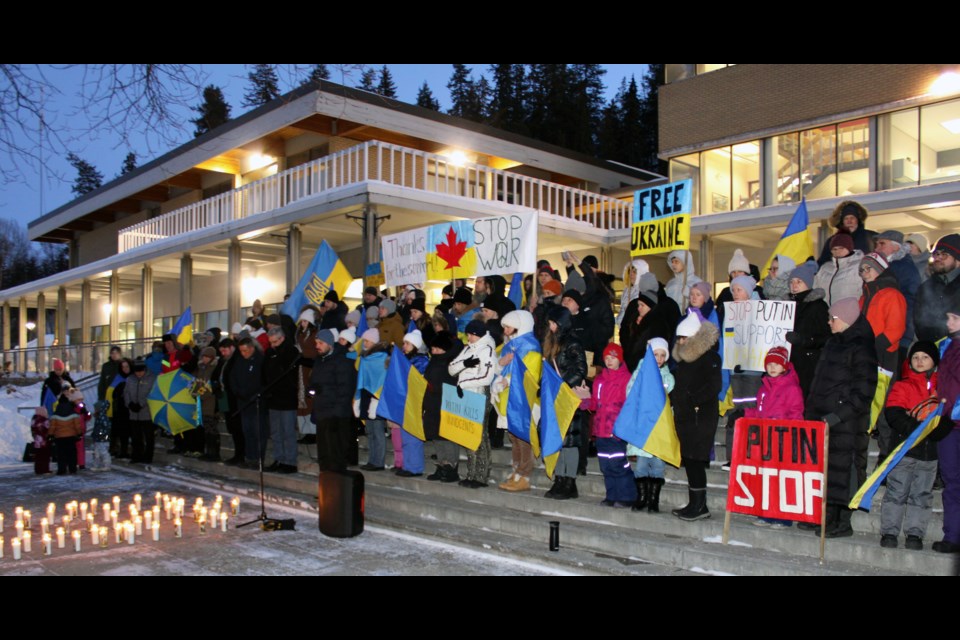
[(172, 405)]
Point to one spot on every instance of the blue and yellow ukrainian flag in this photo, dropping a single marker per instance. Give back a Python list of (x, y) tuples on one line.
[(111, 390), (558, 404), (864, 496), (519, 399), (371, 373), (451, 251), (326, 272), (402, 398), (183, 327), (795, 242), (517, 294), (646, 419), (49, 401)]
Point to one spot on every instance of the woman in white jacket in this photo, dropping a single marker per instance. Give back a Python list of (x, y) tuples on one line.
[(840, 276), (631, 284), (475, 369)]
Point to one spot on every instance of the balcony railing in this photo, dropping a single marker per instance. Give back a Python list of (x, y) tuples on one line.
[(378, 161)]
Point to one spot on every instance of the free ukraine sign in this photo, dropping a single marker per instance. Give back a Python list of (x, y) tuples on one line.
[(661, 218)]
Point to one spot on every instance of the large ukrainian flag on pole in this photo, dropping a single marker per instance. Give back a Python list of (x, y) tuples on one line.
[(183, 327), (646, 419), (795, 243), (864, 496), (325, 272), (401, 400), (558, 403)]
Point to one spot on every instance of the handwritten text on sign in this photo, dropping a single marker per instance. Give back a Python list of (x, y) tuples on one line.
[(776, 469), (661, 218), (753, 327), (461, 419)]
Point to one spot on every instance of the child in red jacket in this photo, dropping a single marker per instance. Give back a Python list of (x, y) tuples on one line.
[(609, 394)]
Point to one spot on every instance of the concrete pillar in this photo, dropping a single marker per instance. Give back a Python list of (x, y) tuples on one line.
[(84, 355), (146, 300), (61, 323), (294, 246), (606, 259), (41, 332), (234, 276), (371, 237), (7, 339), (114, 306), (22, 342), (186, 281), (823, 236), (74, 254)]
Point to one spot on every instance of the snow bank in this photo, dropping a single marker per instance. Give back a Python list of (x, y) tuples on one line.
[(15, 427)]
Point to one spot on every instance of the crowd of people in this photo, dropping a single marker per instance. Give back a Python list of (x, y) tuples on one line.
[(873, 304)]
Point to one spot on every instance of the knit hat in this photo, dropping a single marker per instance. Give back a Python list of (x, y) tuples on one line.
[(689, 326), (476, 328), (738, 262), (373, 312), (274, 319), (415, 338), (613, 349), (499, 305), (785, 263), (806, 272), (372, 335), (352, 318), (547, 269), (462, 296), (647, 299), (236, 328), (552, 288), (875, 260), (168, 337), (521, 320), (703, 288), (949, 244), (389, 306), (574, 295), (747, 283), (842, 240), (847, 309), (325, 335), (332, 296), (139, 365), (592, 261), (371, 291), (443, 341), (892, 235), (208, 352), (57, 364), (919, 240), (561, 316), (658, 344), (350, 335), (927, 347), (418, 304), (780, 355)]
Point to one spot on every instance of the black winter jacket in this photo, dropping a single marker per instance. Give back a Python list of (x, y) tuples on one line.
[(810, 333), (698, 380), (334, 380), (280, 375), (437, 374), (935, 297)]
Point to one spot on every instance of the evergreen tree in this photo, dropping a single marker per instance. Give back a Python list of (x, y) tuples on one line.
[(610, 133), (213, 111), (480, 100), (368, 80), (386, 87), (425, 98), (462, 91), (129, 163), (88, 178), (649, 143), (631, 128), (506, 109), (264, 86), (319, 72), (584, 105), (548, 97)]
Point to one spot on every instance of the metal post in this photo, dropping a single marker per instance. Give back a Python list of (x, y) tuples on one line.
[(371, 235)]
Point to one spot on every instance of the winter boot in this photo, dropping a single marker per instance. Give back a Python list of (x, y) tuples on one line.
[(843, 529), (833, 512), (438, 474), (451, 473), (653, 502), (212, 447), (520, 483), (697, 508), (643, 494), (556, 491), (507, 484)]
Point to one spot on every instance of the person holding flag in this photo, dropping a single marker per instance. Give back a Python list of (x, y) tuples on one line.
[(475, 368)]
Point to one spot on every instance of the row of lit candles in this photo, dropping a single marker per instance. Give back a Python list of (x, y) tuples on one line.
[(127, 530)]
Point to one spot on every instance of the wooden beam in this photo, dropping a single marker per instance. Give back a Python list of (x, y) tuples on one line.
[(925, 220), (315, 124), (56, 235), (188, 180), (78, 225), (158, 193), (127, 205)]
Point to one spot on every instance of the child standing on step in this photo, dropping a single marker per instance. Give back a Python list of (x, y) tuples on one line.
[(649, 470)]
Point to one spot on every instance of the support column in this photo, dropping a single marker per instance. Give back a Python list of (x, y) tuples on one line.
[(61, 323), (294, 246), (371, 235), (22, 342), (7, 339), (234, 275), (114, 306), (41, 332), (606, 259), (186, 281), (84, 361), (707, 270), (823, 236), (146, 300)]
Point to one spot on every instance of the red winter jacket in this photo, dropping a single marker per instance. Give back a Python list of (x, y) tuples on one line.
[(609, 394), (912, 388), (779, 398)]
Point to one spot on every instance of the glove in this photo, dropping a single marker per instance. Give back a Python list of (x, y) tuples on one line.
[(470, 363), (356, 407), (459, 392), (738, 369), (831, 419), (135, 407), (792, 337), (372, 411)]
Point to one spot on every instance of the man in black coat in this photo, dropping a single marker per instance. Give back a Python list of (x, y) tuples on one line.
[(246, 381), (280, 388), (940, 292), (227, 399), (333, 383)]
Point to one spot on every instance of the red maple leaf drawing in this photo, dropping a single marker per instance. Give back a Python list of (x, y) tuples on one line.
[(452, 251)]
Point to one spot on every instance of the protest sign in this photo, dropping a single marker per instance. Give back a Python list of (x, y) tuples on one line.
[(753, 327), (461, 419), (661, 218)]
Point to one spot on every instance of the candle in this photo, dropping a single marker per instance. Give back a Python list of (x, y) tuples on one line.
[(134, 511), (116, 503), (61, 538), (93, 505), (156, 531), (148, 519), (177, 528), (117, 533), (27, 542), (1, 523), (156, 514), (47, 545), (1, 547), (214, 516), (90, 523), (103, 537), (114, 517), (203, 526), (44, 526), (167, 510), (66, 522), (223, 521), (27, 520), (72, 509), (235, 507), (138, 524), (18, 513), (76, 540), (138, 501), (83, 510), (158, 498), (131, 538), (15, 544), (95, 536), (51, 511), (19, 528), (106, 512)]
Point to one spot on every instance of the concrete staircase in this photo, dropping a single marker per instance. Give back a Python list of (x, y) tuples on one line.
[(596, 539)]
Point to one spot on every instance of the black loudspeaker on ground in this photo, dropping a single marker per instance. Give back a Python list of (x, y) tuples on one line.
[(341, 503)]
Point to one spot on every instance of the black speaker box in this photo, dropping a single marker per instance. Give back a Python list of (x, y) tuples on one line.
[(340, 501)]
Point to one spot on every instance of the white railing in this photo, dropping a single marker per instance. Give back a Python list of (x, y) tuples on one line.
[(393, 164)]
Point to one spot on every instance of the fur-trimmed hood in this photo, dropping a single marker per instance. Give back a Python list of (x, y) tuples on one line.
[(812, 295), (836, 218), (698, 344)]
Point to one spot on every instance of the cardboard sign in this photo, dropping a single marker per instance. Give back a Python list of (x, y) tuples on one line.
[(661, 218), (753, 327), (777, 469), (461, 419)]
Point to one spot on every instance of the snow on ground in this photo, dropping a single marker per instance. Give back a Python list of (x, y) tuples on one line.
[(15, 426), (732, 543)]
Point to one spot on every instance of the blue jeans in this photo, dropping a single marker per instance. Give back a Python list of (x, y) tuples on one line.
[(283, 432), (649, 467), (376, 441), (412, 452)]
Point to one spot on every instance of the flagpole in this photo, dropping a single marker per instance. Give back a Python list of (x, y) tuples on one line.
[(823, 498)]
